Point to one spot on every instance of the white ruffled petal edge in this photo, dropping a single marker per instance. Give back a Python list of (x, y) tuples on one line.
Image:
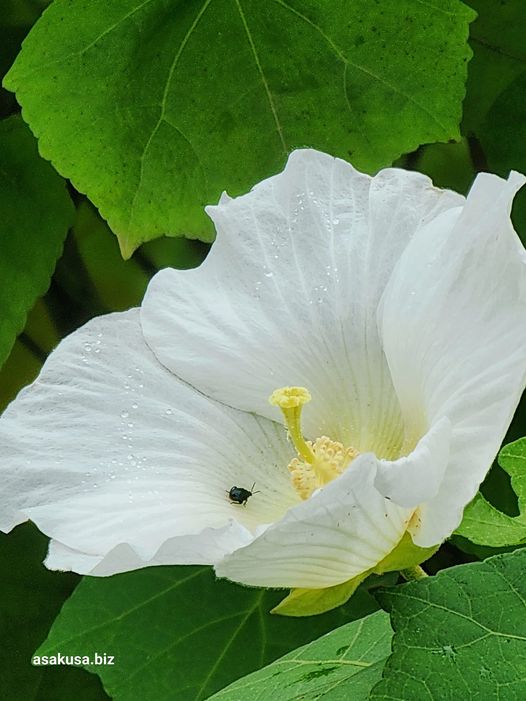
[(288, 296), (205, 548)]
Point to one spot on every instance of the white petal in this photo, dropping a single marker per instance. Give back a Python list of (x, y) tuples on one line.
[(341, 531), (108, 448), (453, 322), (205, 548), (416, 478), (288, 296)]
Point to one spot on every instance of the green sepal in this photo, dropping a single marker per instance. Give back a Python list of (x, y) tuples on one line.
[(405, 555), (310, 602)]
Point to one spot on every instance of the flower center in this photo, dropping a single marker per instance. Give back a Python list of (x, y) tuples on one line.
[(318, 462)]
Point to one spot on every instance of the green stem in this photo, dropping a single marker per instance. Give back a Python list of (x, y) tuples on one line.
[(414, 573)]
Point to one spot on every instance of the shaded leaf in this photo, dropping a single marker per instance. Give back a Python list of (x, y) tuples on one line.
[(35, 213), (31, 598), (16, 19), (28, 353), (499, 56), (484, 524), (495, 105)]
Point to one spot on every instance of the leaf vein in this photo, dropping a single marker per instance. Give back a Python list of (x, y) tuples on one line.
[(263, 78)]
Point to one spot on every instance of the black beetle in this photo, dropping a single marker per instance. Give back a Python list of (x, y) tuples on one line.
[(240, 495)]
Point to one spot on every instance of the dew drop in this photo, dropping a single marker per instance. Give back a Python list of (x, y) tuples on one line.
[(124, 414)]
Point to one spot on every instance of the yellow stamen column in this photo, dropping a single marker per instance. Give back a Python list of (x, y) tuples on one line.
[(317, 463)]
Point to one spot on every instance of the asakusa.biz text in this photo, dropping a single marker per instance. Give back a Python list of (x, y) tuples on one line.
[(73, 660)]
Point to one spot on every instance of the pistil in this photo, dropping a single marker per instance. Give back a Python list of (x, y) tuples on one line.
[(317, 463)]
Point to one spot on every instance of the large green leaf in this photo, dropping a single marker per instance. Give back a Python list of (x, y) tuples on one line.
[(35, 213), (483, 524), (31, 598), (459, 635), (342, 665), (153, 107), (177, 633)]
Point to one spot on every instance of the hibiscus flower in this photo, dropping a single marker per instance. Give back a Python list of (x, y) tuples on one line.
[(386, 321)]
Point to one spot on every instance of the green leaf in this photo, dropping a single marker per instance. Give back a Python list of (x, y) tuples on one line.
[(35, 213), (16, 19), (499, 56), (153, 107), (176, 632), (483, 524), (311, 602), (459, 635), (31, 598), (121, 284), (340, 666), (495, 105), (28, 353)]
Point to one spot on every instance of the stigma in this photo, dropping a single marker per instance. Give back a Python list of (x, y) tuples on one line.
[(318, 462)]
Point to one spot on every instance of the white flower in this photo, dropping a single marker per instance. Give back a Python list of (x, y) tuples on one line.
[(401, 308)]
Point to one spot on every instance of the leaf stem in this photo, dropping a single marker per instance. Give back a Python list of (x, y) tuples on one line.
[(414, 573)]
